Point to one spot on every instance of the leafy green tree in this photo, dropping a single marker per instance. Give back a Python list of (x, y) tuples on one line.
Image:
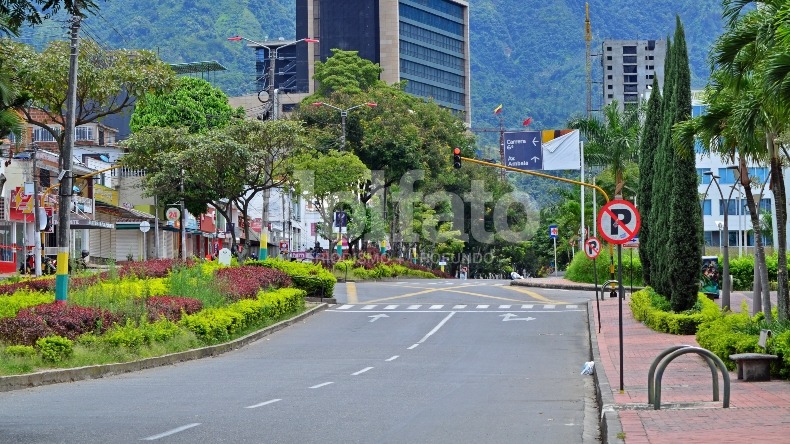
[(346, 73), (107, 81), (647, 158), (9, 119), (685, 227), (193, 103), (17, 13)]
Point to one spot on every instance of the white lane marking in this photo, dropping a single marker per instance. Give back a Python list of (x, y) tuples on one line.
[(369, 307), (435, 307), (390, 307), (549, 307), (504, 306), (569, 307), (255, 406), (414, 307), (458, 307), (393, 358), (490, 310), (528, 307), (344, 307), (321, 385), (362, 371), (413, 347), (377, 317), (171, 432), (482, 306), (435, 329)]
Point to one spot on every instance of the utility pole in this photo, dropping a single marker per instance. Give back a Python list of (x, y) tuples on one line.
[(183, 222), (36, 216), (588, 58), (64, 204)]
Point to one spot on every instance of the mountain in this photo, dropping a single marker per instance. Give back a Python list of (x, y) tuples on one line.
[(528, 55)]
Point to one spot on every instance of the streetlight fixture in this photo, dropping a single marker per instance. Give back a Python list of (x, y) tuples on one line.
[(741, 197), (272, 59), (725, 287), (343, 115)]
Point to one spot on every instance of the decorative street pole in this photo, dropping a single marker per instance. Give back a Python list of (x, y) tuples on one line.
[(343, 116)]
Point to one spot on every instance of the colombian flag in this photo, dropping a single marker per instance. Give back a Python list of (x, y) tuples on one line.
[(498, 109)]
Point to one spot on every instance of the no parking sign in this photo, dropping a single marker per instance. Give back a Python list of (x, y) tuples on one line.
[(619, 221), (592, 247)]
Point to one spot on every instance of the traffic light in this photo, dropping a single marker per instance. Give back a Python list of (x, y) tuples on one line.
[(456, 158)]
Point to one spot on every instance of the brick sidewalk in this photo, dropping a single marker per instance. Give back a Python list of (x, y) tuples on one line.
[(759, 411)]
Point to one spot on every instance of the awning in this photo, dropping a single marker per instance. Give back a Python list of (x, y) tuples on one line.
[(89, 224), (123, 214)]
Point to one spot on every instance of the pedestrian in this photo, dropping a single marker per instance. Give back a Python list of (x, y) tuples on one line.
[(463, 272)]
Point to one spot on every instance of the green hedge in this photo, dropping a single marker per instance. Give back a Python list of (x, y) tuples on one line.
[(654, 310), (581, 267), (742, 271), (10, 305), (213, 325), (311, 278)]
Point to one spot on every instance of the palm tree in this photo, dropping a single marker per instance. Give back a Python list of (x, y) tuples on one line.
[(613, 142), (9, 120), (750, 51)]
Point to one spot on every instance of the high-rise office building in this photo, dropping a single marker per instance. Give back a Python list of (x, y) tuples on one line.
[(628, 69), (425, 42)]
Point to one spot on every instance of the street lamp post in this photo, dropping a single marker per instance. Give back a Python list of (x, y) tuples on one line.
[(343, 116), (725, 286), (274, 112)]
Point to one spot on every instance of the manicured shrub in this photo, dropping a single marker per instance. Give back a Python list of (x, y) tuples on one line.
[(652, 309), (127, 335), (23, 298), (244, 282), (154, 268), (24, 329), (171, 307), (71, 321), (581, 268), (727, 334), (312, 278), (55, 348), (23, 351)]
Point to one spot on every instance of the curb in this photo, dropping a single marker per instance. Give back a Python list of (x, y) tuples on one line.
[(562, 285), (609, 424), (17, 382)]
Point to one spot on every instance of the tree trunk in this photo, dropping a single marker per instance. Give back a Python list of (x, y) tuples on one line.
[(759, 252), (778, 187)]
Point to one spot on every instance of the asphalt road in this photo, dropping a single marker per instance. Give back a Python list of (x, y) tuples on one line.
[(393, 362)]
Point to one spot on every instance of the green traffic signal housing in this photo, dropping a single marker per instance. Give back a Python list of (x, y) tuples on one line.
[(457, 158)]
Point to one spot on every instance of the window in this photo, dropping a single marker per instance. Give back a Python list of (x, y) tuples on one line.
[(706, 207), (651, 45), (609, 77), (765, 205), (630, 88), (726, 175), (629, 79), (703, 179), (708, 235), (609, 87), (608, 57), (443, 7), (610, 96), (609, 68), (608, 48), (629, 59), (759, 173), (629, 69), (630, 98), (649, 57), (431, 55), (698, 110), (629, 49), (732, 208), (432, 38), (425, 17), (42, 135), (83, 133), (432, 74), (649, 77), (651, 67)]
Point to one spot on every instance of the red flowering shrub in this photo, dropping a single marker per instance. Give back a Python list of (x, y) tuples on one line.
[(244, 282), (171, 307), (154, 268), (70, 321), (12, 287), (24, 329)]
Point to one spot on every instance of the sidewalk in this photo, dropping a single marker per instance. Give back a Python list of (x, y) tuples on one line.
[(759, 411)]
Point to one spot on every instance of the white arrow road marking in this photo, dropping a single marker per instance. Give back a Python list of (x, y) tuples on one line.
[(255, 406), (377, 317), (171, 432), (512, 317)]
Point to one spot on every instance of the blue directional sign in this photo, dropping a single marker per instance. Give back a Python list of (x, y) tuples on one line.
[(553, 232), (523, 150)]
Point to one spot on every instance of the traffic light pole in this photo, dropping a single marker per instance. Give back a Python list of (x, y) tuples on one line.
[(546, 176)]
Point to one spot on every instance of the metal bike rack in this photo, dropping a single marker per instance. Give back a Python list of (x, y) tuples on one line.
[(661, 362), (612, 286)]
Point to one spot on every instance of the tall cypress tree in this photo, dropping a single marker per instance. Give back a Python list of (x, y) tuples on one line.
[(685, 220), (647, 159), (662, 180)]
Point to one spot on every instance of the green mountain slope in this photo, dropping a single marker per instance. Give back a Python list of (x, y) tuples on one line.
[(526, 54)]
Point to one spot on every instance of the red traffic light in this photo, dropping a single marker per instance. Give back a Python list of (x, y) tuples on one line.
[(456, 158), (457, 151)]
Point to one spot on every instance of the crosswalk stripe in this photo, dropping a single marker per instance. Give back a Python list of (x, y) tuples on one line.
[(482, 306), (571, 306), (527, 306), (504, 306), (345, 307), (436, 307), (369, 307), (414, 307), (458, 307), (549, 307), (390, 307)]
